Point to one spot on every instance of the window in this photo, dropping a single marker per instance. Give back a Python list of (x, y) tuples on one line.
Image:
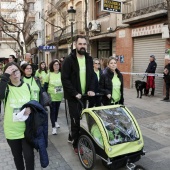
[(99, 13)]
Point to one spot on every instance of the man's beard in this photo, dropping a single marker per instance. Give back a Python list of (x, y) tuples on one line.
[(82, 51)]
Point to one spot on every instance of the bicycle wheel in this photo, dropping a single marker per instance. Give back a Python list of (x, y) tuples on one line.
[(86, 152), (138, 167)]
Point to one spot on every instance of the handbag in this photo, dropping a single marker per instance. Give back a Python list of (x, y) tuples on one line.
[(46, 99)]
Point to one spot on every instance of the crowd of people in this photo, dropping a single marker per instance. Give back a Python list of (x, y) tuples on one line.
[(72, 77)]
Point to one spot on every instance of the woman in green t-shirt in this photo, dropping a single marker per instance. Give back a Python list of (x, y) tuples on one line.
[(15, 94), (34, 82), (54, 87), (111, 84), (41, 72)]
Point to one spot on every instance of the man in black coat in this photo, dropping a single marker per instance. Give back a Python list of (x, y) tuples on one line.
[(167, 79), (77, 77), (151, 79)]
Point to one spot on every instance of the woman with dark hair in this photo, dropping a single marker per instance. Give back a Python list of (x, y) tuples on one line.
[(15, 94), (33, 82), (42, 72), (12, 58), (54, 87), (111, 84)]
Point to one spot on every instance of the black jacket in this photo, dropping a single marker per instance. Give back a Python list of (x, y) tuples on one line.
[(106, 86), (36, 132), (151, 67), (97, 81), (167, 77), (70, 76)]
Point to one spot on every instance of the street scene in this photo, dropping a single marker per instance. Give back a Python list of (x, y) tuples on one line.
[(84, 84), (152, 116)]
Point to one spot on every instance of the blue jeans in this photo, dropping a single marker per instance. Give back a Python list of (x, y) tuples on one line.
[(54, 108)]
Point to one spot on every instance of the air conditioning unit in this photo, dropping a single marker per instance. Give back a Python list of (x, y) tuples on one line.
[(94, 26)]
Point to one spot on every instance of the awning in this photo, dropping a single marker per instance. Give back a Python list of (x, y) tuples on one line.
[(109, 35), (64, 46)]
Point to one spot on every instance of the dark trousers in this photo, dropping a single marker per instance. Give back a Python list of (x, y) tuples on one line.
[(54, 108), (0, 106), (167, 89), (75, 112), (94, 101), (20, 148)]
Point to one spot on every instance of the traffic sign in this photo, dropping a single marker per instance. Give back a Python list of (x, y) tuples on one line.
[(46, 47)]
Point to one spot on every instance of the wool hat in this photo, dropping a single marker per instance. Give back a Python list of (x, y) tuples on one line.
[(153, 56)]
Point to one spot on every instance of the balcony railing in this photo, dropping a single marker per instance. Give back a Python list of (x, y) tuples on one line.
[(51, 12), (30, 1), (157, 9), (60, 2)]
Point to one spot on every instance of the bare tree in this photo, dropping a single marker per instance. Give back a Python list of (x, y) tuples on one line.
[(16, 29), (60, 29)]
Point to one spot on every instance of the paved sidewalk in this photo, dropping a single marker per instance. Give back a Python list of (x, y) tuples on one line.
[(56, 161)]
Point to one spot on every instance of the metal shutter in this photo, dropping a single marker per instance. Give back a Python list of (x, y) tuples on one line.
[(143, 48)]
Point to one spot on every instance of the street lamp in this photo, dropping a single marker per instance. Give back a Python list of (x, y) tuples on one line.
[(71, 18)]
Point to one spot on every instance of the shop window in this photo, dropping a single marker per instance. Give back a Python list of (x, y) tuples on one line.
[(99, 13)]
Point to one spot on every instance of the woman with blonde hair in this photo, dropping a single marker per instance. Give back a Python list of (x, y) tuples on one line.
[(111, 84)]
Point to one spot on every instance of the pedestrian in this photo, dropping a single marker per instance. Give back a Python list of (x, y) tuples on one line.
[(167, 79), (53, 86), (28, 60), (15, 94), (42, 72), (96, 100), (111, 84), (34, 82), (151, 79), (103, 64), (77, 77), (12, 59)]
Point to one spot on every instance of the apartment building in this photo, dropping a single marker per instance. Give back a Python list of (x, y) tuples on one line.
[(58, 26), (34, 27)]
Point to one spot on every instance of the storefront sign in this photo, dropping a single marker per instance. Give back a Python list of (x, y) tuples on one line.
[(46, 48), (111, 6), (147, 30)]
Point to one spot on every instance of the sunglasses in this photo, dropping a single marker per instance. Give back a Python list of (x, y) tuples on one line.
[(96, 63)]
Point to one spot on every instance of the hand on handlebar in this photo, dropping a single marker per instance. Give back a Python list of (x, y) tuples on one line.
[(78, 96), (90, 93), (109, 96)]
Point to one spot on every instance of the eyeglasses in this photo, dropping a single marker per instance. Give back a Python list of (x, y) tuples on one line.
[(96, 63), (28, 69), (16, 72)]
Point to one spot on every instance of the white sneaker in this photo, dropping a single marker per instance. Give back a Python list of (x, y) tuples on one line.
[(54, 131), (57, 125)]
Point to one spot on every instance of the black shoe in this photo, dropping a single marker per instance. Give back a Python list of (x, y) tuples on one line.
[(166, 98), (70, 140)]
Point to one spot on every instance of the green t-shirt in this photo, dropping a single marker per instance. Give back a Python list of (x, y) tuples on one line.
[(17, 97), (35, 90), (98, 74), (116, 88), (82, 73), (55, 88), (41, 76)]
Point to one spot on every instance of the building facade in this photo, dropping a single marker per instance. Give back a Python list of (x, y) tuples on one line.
[(142, 38)]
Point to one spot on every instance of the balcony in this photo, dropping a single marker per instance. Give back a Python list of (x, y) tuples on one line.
[(30, 1), (31, 17), (150, 12), (60, 3), (51, 12)]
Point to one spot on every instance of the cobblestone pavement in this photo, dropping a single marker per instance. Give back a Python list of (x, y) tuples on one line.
[(56, 161)]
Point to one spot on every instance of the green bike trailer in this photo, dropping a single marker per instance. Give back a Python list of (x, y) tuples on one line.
[(113, 134)]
